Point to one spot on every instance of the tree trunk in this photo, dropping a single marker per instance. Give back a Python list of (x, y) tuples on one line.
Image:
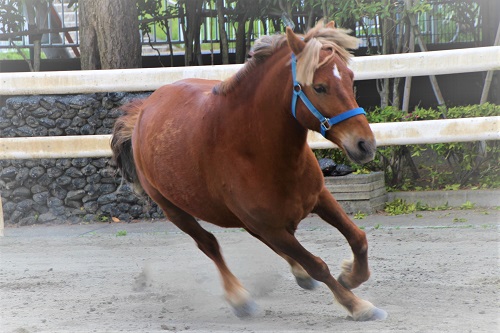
[(224, 44), (190, 12), (240, 39), (109, 34), (34, 12), (489, 74), (170, 46), (249, 37), (401, 41), (411, 48), (423, 48), (387, 27), (324, 9)]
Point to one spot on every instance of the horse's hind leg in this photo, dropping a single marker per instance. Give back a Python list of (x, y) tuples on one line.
[(236, 295), (303, 279), (356, 271)]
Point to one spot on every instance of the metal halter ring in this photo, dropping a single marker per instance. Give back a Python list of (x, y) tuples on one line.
[(326, 124)]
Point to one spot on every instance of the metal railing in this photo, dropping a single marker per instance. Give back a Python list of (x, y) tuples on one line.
[(445, 22)]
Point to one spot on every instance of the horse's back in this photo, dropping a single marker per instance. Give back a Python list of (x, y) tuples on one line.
[(181, 93), (170, 128), (176, 106)]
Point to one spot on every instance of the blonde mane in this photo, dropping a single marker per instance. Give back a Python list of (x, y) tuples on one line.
[(318, 38)]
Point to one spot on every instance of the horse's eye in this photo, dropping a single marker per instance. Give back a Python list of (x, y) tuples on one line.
[(320, 89)]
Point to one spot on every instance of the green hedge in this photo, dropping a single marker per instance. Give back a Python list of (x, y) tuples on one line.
[(435, 166)]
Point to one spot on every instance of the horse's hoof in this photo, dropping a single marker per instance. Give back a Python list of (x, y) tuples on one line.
[(372, 314), (307, 283), (246, 309)]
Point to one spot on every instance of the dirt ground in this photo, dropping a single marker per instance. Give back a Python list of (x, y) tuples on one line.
[(432, 272)]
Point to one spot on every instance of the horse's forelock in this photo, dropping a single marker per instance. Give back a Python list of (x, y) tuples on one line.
[(338, 36), (308, 61), (319, 38)]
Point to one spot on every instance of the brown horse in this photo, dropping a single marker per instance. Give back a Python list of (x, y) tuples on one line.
[(235, 154)]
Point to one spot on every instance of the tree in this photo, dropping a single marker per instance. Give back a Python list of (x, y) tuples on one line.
[(109, 34), (11, 19), (13, 15), (191, 15), (156, 16), (222, 32)]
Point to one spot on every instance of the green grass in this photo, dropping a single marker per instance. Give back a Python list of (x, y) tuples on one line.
[(467, 205), (399, 207), (121, 233), (14, 55), (359, 216)]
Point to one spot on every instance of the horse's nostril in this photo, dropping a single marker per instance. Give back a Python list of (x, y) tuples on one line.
[(362, 146)]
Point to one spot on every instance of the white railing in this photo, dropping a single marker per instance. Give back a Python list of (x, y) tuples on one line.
[(386, 134), (148, 79), (375, 67)]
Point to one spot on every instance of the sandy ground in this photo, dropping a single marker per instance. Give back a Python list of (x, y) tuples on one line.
[(438, 272)]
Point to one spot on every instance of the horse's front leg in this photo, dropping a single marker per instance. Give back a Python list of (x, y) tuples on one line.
[(284, 242), (355, 271)]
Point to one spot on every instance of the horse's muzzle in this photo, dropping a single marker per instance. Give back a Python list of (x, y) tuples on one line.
[(362, 151)]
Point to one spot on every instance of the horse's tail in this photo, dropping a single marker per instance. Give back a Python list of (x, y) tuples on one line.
[(121, 143)]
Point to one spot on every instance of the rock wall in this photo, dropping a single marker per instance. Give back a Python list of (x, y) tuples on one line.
[(66, 190)]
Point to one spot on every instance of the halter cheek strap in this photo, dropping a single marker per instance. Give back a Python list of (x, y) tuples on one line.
[(326, 123)]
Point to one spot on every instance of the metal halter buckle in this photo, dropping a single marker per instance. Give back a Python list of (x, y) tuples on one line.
[(326, 124)]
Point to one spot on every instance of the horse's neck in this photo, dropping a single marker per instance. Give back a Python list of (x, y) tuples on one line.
[(264, 100)]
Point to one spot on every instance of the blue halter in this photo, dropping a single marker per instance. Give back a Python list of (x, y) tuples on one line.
[(326, 123)]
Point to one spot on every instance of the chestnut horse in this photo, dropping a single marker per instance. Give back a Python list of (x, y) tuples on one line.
[(235, 154)]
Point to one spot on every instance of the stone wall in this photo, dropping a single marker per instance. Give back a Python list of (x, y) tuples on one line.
[(65, 190)]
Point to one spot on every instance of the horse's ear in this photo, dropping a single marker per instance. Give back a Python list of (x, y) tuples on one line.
[(331, 25), (294, 41)]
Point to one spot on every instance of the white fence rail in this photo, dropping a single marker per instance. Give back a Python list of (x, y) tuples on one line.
[(375, 67), (386, 134), (148, 79)]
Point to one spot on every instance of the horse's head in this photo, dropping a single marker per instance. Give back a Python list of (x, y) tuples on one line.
[(321, 76)]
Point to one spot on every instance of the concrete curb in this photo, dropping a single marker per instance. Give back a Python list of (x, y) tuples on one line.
[(481, 198), (363, 193)]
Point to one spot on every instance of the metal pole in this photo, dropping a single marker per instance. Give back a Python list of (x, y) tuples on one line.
[(489, 74)]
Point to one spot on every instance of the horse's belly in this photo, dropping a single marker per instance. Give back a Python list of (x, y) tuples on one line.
[(198, 202)]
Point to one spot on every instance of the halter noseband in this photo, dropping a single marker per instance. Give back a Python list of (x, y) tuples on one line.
[(326, 123)]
